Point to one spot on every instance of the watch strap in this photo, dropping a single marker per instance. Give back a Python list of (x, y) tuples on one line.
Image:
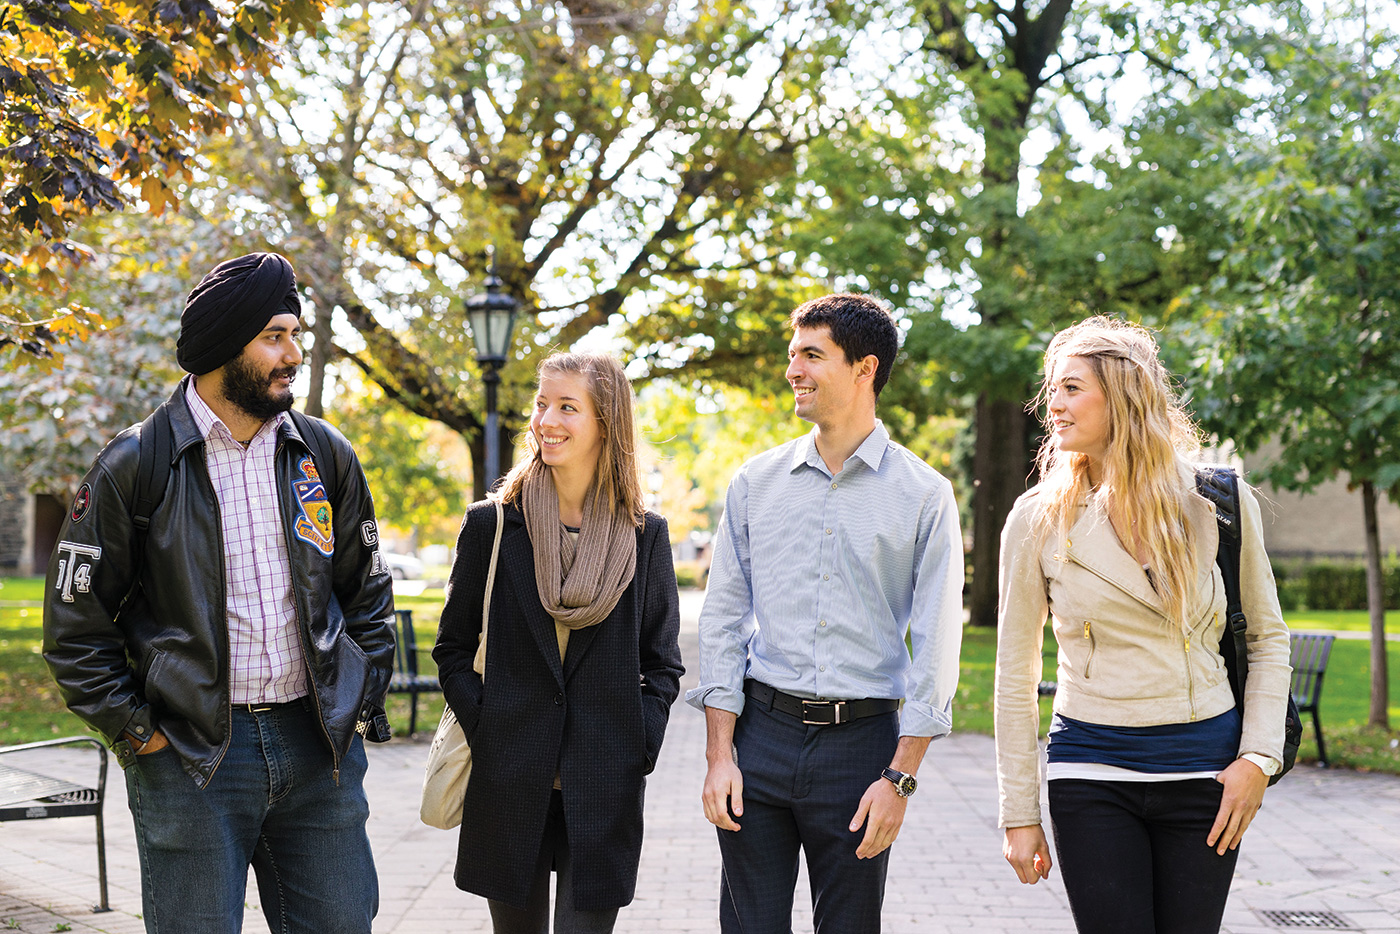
[(1267, 765)]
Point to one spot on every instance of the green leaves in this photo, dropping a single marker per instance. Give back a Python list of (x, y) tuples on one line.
[(102, 106), (1307, 340)]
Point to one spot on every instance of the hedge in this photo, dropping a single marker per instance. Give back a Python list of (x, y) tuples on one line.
[(1332, 585)]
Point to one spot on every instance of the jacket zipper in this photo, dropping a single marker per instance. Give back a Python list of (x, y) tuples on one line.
[(1089, 634), (223, 632), (1071, 556), (305, 640), (1190, 682)]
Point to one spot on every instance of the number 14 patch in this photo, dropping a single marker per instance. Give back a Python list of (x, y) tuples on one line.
[(74, 571)]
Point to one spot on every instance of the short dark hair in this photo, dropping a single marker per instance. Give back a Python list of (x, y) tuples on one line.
[(859, 325)]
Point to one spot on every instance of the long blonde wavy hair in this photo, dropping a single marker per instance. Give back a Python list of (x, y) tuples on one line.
[(616, 480), (1143, 478)]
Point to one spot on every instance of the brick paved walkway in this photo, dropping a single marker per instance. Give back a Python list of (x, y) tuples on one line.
[(1325, 842)]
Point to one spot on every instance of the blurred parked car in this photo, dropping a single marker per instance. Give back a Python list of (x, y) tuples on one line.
[(403, 567)]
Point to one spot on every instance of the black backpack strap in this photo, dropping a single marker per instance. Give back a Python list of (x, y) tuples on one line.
[(157, 438), (1220, 485), (157, 448), (318, 440)]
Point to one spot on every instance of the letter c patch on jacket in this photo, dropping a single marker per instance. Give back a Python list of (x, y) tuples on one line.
[(313, 525)]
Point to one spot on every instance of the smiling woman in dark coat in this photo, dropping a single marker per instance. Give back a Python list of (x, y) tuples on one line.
[(582, 661)]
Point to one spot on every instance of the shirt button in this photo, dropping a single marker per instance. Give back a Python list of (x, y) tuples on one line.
[(823, 668), (833, 486), (828, 531), (826, 577), (823, 622)]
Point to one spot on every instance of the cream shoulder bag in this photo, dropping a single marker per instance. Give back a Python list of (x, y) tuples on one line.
[(450, 758)]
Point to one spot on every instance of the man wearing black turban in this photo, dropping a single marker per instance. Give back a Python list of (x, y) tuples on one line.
[(217, 607)]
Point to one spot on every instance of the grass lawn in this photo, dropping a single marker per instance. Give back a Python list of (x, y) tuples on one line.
[(30, 707)]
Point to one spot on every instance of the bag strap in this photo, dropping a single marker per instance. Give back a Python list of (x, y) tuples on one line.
[(157, 448), (1220, 485), (479, 662), (318, 441)]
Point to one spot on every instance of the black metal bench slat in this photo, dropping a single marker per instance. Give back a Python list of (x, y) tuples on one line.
[(29, 795), (1308, 654), (406, 679), (18, 785)]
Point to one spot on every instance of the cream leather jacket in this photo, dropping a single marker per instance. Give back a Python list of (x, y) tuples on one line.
[(1122, 662)]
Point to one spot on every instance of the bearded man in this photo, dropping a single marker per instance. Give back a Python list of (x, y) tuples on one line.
[(218, 610)]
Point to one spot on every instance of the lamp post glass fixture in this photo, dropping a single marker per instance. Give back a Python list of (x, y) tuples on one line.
[(491, 318)]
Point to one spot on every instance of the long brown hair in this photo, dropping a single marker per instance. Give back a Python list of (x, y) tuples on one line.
[(1145, 469), (616, 479)]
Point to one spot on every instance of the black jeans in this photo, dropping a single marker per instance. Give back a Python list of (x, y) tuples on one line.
[(1133, 855)]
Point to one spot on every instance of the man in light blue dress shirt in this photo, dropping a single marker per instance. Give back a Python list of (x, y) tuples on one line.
[(829, 638)]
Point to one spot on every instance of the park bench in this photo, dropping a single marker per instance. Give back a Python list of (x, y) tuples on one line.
[(26, 794), (1307, 653), (406, 679)]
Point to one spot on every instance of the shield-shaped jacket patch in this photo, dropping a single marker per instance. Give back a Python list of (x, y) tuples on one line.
[(313, 525)]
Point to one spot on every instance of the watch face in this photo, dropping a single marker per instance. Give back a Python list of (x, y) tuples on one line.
[(906, 785)]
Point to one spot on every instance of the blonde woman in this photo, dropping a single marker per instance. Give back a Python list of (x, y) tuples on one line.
[(1154, 776), (582, 662)]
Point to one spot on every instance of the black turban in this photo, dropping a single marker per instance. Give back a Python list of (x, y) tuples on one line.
[(230, 306)]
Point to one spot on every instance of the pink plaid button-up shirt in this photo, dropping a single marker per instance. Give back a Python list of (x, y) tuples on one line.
[(266, 662)]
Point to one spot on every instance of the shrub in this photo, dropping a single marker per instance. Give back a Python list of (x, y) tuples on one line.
[(1332, 584)]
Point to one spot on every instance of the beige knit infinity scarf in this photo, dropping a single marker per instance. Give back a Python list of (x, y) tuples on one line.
[(579, 582)]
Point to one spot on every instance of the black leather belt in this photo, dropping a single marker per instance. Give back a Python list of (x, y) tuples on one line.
[(818, 712)]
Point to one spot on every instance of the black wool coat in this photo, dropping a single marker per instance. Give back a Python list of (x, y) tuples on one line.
[(598, 718)]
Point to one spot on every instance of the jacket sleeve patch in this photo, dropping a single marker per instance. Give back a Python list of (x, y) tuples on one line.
[(81, 502), (75, 569), (313, 525)]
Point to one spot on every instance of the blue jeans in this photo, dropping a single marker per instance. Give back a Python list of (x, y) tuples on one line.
[(271, 804), (1133, 855), (802, 786)]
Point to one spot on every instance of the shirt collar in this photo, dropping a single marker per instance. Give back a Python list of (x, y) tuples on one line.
[(871, 450), (209, 422)]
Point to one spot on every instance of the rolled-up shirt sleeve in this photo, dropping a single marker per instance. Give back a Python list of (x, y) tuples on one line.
[(727, 618), (935, 624)]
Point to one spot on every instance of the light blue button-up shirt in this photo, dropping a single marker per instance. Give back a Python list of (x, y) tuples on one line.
[(817, 579)]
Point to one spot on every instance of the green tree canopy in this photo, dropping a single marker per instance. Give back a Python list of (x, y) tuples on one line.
[(1302, 343)]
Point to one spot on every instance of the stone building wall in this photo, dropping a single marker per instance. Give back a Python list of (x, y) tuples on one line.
[(1325, 523)]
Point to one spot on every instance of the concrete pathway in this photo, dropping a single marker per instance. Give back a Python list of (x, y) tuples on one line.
[(1324, 843)]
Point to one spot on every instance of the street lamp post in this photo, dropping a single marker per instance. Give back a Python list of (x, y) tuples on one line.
[(491, 318)]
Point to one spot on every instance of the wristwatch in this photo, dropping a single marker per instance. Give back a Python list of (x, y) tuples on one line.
[(1267, 764), (904, 783)]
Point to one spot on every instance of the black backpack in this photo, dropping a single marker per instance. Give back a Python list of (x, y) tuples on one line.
[(1220, 485), (158, 448)]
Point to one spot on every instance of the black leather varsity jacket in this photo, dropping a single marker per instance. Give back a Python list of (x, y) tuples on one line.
[(133, 659)]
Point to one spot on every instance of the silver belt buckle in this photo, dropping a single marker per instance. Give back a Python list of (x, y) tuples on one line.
[(834, 706)]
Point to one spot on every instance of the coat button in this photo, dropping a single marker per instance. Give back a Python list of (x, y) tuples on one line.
[(559, 700)]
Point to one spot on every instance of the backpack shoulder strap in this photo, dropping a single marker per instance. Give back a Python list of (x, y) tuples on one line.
[(1220, 485), (157, 448), (318, 439)]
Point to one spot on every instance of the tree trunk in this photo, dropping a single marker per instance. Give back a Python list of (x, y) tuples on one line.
[(999, 469), (320, 356), (1375, 602)]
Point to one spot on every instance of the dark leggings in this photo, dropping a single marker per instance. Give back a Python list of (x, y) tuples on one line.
[(533, 918), (1133, 855)]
